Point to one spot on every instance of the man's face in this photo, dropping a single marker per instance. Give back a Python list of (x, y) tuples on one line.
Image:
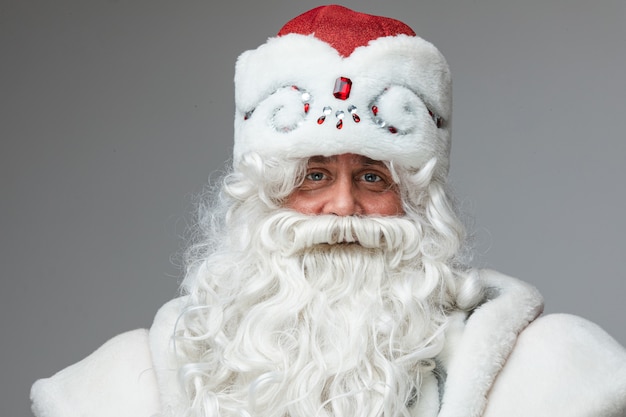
[(346, 185)]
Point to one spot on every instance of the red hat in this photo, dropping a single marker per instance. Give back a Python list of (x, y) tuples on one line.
[(337, 81), (344, 29)]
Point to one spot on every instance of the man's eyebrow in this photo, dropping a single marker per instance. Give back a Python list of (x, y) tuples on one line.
[(369, 161), (323, 159)]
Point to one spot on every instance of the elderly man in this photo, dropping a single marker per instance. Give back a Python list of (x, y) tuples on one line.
[(328, 279)]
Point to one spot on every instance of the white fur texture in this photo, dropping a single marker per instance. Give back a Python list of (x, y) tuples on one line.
[(403, 76), (562, 365), (477, 349), (116, 380)]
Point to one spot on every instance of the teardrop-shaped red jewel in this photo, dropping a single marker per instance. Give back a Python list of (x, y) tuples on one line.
[(339, 124), (321, 119), (356, 118), (375, 110), (393, 129), (306, 107)]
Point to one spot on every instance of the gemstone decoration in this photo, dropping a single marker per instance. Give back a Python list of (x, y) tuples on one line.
[(352, 110), (339, 115), (380, 122), (327, 111), (305, 97), (436, 118), (343, 85)]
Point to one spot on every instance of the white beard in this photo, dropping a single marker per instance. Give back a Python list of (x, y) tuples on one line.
[(326, 316)]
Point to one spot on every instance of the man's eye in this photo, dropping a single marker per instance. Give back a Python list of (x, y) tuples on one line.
[(315, 176), (371, 177)]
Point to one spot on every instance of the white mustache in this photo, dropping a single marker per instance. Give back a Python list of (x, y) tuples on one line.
[(290, 232)]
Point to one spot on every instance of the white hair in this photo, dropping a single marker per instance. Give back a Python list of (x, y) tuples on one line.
[(299, 315)]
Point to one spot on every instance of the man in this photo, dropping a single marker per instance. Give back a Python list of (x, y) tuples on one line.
[(328, 278)]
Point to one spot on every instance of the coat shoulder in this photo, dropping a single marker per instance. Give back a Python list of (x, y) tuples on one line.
[(117, 379), (561, 365)]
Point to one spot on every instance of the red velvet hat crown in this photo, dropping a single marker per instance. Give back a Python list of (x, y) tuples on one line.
[(344, 29)]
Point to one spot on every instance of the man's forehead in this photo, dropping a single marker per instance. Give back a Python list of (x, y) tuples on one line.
[(321, 159)]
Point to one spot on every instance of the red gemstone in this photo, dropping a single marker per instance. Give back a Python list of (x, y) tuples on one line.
[(306, 107), (321, 119), (339, 124), (342, 88), (356, 118), (393, 129), (375, 110)]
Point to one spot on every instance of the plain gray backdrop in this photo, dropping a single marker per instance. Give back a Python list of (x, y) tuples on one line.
[(115, 114)]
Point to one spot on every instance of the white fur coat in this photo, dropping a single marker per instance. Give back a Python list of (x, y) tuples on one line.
[(500, 360)]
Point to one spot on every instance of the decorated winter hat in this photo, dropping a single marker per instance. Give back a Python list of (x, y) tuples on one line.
[(337, 81)]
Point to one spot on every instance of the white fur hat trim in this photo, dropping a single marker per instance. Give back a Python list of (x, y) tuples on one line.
[(401, 88)]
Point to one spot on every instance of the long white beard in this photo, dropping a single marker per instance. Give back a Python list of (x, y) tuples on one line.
[(328, 316)]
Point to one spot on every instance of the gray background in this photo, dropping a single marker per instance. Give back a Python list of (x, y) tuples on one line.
[(115, 113)]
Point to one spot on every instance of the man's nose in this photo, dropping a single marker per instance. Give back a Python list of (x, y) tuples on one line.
[(343, 199)]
